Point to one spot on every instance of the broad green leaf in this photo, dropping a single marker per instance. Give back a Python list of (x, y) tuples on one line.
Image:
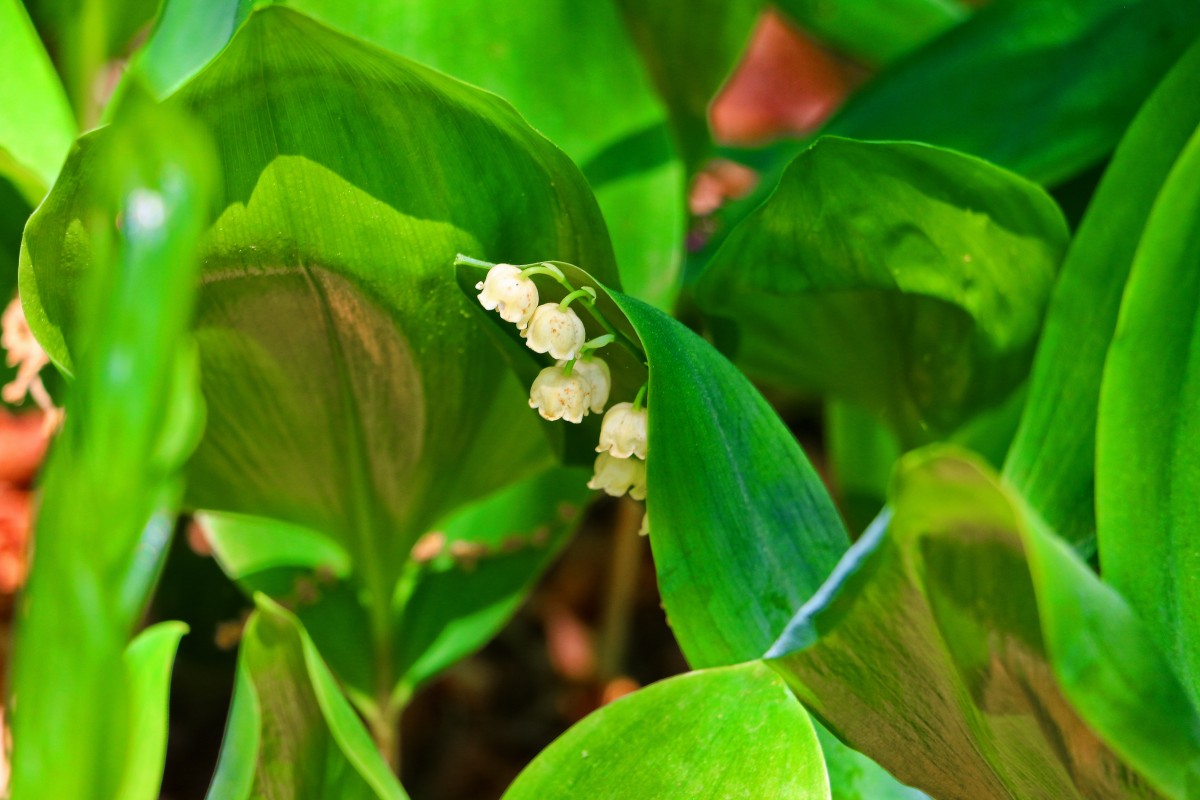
[(148, 661), (725, 732), (111, 483), (348, 390), (291, 733), (876, 31), (970, 652), (1147, 465), (689, 49), (903, 278), (1052, 461), (741, 527), (1031, 85), (600, 109), (36, 128)]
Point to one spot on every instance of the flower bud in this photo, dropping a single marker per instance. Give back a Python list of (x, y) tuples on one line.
[(557, 395), (623, 432), (506, 290), (554, 330), (597, 374), (616, 476)]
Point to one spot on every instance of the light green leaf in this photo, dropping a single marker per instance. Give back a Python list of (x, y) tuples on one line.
[(600, 109), (348, 390), (291, 733), (1030, 85), (36, 127), (876, 31), (903, 278), (110, 487), (1052, 461), (741, 527), (148, 661), (1147, 465), (726, 732), (970, 652)]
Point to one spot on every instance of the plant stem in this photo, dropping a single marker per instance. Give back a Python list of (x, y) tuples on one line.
[(385, 730), (613, 641)]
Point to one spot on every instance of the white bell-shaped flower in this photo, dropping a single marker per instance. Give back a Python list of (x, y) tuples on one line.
[(616, 476), (598, 375), (623, 431), (506, 290), (554, 330), (557, 395)]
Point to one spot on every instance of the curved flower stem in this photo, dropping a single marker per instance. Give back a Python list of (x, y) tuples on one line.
[(552, 271), (640, 400), (596, 344), (582, 292)]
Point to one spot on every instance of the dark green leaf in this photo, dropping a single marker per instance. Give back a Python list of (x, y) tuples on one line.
[(111, 484), (36, 127), (903, 278), (876, 31), (1031, 85), (742, 530), (291, 733), (971, 653), (726, 732), (1147, 463), (861, 452), (1052, 461), (600, 109)]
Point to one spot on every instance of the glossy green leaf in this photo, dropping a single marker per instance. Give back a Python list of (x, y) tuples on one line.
[(903, 278), (876, 31), (1031, 85), (1052, 461), (110, 487), (741, 527), (974, 655), (291, 733), (36, 128), (726, 732), (689, 49), (600, 109), (1147, 465), (348, 390), (148, 662)]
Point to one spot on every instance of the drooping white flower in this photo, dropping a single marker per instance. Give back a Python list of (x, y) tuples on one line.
[(616, 476), (598, 375), (554, 330), (509, 292), (623, 431), (557, 395), (23, 352)]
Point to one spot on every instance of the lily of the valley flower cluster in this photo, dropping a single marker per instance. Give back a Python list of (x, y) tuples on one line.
[(579, 383)]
